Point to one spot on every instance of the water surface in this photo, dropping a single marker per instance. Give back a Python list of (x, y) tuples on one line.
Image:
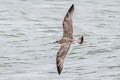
[(28, 29)]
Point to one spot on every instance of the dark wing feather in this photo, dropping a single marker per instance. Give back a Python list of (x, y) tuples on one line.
[(67, 24), (61, 55)]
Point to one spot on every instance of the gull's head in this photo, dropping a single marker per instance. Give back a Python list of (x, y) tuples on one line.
[(57, 41)]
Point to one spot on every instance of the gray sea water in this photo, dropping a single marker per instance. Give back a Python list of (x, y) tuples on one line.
[(28, 29)]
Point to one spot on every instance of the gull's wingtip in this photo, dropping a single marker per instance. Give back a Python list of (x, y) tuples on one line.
[(59, 69), (72, 5), (59, 72), (71, 10)]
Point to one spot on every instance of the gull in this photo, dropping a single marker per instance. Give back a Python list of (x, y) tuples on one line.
[(66, 40)]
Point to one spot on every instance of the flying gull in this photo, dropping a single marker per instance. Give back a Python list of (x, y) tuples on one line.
[(66, 40)]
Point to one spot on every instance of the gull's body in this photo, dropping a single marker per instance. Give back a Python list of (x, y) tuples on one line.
[(66, 40)]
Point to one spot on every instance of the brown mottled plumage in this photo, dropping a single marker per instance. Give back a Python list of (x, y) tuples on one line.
[(61, 55), (66, 40)]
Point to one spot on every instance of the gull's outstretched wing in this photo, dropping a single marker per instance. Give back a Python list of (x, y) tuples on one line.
[(67, 24), (61, 55)]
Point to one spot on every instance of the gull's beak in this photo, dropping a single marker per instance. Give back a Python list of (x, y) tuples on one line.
[(54, 42)]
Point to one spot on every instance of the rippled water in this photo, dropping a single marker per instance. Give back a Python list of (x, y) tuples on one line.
[(28, 29)]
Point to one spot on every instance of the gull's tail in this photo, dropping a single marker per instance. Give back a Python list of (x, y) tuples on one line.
[(79, 40)]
